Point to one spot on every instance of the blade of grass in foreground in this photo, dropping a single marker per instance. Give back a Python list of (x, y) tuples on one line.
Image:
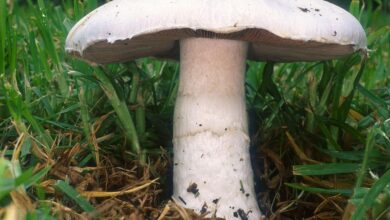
[(91, 5), (3, 16), (121, 110), (354, 8), (41, 22), (368, 148), (75, 196), (86, 119), (25, 179), (362, 205), (20, 112), (346, 192), (370, 197), (380, 105), (136, 98), (325, 169)]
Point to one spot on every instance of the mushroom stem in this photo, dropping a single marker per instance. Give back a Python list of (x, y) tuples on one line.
[(212, 166)]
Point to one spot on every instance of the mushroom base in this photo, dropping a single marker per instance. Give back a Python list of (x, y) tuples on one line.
[(212, 167)]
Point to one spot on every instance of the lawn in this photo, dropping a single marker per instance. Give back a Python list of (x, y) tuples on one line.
[(94, 142)]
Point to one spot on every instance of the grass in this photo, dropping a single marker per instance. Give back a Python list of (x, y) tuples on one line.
[(89, 142)]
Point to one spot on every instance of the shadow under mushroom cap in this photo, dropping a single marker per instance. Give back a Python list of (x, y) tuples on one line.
[(263, 46), (276, 30)]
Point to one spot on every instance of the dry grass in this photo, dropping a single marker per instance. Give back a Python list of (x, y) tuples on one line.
[(127, 190)]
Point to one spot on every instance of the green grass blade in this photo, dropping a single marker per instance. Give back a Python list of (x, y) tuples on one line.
[(91, 5), (120, 109), (370, 197), (85, 117), (11, 178), (28, 178), (346, 105), (325, 169), (267, 84), (354, 8), (136, 98), (74, 195), (346, 192), (368, 148), (12, 42), (380, 105), (42, 24), (20, 110), (3, 32), (78, 9)]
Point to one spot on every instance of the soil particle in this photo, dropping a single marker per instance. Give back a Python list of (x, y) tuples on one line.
[(204, 208), (193, 188), (182, 200), (304, 9), (241, 213)]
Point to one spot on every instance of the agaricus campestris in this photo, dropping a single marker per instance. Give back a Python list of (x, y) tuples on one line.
[(213, 38)]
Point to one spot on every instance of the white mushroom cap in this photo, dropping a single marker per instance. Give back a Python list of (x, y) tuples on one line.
[(277, 30)]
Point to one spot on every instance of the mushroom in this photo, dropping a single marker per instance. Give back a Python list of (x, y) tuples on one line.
[(212, 166)]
